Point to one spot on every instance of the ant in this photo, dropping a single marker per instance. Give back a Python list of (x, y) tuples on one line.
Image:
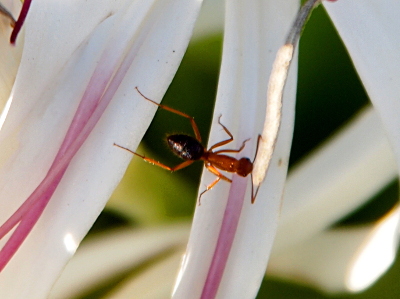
[(190, 149)]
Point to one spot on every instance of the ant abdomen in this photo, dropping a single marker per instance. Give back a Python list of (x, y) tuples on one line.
[(185, 147)]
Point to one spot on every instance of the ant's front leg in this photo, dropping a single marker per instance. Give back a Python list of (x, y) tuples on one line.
[(231, 150), (152, 161), (191, 118)]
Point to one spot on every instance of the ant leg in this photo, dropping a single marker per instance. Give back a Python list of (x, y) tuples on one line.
[(152, 161), (208, 188), (179, 166), (191, 118), (221, 143), (219, 175), (227, 141), (231, 150), (215, 171), (258, 142), (254, 195)]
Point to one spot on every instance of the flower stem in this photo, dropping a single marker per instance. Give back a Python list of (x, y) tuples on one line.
[(276, 85)]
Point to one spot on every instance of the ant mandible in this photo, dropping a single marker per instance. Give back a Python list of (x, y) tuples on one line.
[(190, 149)]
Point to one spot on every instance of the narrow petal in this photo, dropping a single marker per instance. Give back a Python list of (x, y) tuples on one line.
[(113, 253), (322, 261), (154, 283), (210, 20), (341, 260), (252, 36), (334, 180), (43, 107), (372, 37), (376, 254)]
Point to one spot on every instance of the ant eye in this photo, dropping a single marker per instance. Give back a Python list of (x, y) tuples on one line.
[(244, 160)]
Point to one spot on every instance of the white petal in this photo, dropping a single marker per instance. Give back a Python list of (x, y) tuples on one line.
[(335, 179), (113, 253), (376, 254), (253, 35), (210, 20), (372, 38), (371, 32), (154, 283), (320, 261), (64, 41), (344, 259)]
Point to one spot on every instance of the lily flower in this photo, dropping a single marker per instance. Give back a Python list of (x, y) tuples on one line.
[(242, 235), (319, 192)]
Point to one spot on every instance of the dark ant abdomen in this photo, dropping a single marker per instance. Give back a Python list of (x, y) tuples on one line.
[(185, 147)]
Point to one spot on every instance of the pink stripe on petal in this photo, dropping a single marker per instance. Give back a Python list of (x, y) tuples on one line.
[(226, 236), (92, 105), (37, 203)]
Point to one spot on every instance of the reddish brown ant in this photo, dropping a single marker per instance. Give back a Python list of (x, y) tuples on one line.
[(190, 149)]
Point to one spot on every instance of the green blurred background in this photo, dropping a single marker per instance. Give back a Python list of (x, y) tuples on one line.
[(329, 93)]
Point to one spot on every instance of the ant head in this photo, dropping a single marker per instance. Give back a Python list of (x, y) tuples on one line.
[(245, 167)]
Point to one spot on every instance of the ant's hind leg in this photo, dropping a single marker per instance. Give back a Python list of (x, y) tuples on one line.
[(219, 175), (190, 118), (258, 142), (254, 194), (208, 188), (215, 171)]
